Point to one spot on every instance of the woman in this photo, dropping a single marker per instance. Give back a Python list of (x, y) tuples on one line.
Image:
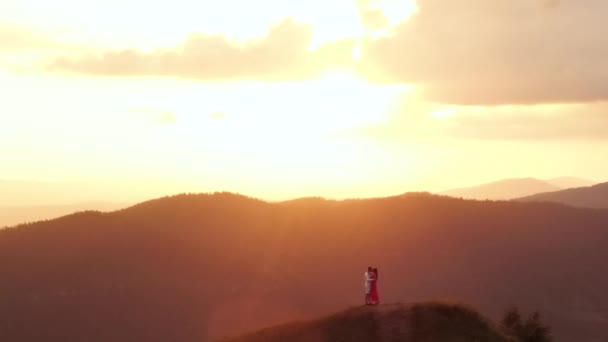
[(373, 294)]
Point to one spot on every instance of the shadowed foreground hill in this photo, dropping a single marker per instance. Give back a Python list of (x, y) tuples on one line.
[(595, 196), (198, 267), (412, 323)]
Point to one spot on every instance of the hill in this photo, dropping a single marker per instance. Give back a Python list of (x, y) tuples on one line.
[(397, 322), (503, 190), (200, 267), (591, 197)]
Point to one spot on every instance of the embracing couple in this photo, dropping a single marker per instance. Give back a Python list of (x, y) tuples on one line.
[(371, 287)]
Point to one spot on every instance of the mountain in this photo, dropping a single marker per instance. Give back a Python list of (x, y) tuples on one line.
[(570, 182), (503, 190), (13, 215), (22, 193), (595, 196), (396, 322), (202, 267)]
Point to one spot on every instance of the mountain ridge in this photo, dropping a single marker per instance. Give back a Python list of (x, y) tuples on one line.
[(595, 196), (505, 189), (571, 182), (200, 267)]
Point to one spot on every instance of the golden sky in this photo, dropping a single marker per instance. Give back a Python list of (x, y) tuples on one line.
[(280, 99)]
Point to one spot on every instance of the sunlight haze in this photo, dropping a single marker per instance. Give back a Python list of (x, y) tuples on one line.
[(283, 99)]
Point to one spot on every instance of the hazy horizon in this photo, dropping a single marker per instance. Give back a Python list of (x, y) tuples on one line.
[(39, 193)]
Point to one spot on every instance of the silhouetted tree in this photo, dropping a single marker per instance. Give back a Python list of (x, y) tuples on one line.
[(512, 320), (532, 330)]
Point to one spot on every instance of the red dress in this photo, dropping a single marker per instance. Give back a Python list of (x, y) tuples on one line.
[(373, 294)]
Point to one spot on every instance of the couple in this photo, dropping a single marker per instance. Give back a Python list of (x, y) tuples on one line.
[(371, 287)]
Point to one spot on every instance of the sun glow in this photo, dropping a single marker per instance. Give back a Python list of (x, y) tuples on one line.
[(280, 132), (384, 15), (444, 112), (336, 100), (356, 55), (397, 11), (343, 100), (328, 28)]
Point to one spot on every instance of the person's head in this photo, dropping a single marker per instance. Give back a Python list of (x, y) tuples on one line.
[(369, 269), (375, 270)]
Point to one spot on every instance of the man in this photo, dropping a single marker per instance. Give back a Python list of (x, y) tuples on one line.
[(368, 285)]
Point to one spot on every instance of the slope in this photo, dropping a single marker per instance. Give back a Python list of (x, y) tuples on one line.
[(396, 322)]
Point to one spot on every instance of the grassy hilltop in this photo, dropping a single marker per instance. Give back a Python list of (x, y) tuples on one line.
[(395, 322)]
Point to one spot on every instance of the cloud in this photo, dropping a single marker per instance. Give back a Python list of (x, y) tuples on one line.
[(417, 120), (15, 38), (551, 3), (283, 54), (479, 52), (372, 18), (469, 52), (529, 127)]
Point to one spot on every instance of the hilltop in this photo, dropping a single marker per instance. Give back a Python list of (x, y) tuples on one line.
[(206, 266), (396, 322)]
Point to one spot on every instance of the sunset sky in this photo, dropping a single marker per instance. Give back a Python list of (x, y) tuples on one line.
[(283, 98)]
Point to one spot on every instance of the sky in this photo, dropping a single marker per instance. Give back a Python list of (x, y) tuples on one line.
[(283, 99)]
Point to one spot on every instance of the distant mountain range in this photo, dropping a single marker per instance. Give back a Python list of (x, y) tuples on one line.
[(570, 182), (515, 188), (13, 215), (21, 193), (30, 200), (595, 196), (203, 267)]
